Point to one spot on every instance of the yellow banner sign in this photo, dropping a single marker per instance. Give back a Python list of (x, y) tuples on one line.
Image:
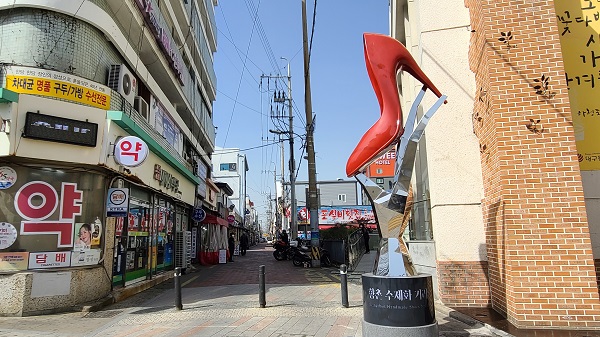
[(13, 261), (579, 28), (54, 84)]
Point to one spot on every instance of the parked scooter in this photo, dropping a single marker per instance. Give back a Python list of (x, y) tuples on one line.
[(303, 257), (283, 251)]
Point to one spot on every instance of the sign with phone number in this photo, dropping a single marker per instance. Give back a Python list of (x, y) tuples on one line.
[(59, 85)]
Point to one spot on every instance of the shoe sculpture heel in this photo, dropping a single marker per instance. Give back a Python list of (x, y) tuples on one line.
[(384, 57)]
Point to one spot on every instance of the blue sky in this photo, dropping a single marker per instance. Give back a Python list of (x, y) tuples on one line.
[(253, 36)]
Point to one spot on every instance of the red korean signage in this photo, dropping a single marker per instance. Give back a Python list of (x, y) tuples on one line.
[(130, 151), (35, 214)]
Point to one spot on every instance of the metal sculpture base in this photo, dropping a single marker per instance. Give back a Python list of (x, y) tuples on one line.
[(398, 306)]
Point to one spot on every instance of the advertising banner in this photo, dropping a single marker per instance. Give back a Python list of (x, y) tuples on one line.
[(42, 82), (331, 215), (578, 26)]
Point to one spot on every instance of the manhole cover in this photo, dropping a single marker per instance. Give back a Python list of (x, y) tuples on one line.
[(103, 314)]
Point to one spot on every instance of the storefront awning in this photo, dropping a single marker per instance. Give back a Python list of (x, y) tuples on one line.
[(215, 220)]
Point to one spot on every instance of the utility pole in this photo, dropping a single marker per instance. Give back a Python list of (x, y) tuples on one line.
[(313, 198), (292, 163), (293, 216)]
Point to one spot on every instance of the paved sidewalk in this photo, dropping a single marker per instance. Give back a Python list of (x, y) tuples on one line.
[(222, 300)]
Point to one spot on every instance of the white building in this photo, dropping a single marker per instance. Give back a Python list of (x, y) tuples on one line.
[(78, 79), (230, 166)]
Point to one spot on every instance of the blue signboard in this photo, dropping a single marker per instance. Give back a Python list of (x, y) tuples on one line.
[(199, 214)]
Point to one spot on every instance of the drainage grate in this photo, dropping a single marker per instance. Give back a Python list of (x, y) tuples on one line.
[(103, 314)]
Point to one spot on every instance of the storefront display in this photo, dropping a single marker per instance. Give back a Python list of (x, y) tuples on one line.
[(49, 214)]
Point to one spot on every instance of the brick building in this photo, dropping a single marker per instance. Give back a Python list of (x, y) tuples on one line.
[(508, 169)]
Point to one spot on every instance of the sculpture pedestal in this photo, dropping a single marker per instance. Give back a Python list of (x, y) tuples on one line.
[(398, 306)]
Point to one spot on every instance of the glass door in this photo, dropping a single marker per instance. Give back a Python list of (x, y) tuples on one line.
[(138, 241)]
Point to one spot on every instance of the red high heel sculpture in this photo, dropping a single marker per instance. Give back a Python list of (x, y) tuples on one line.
[(384, 56)]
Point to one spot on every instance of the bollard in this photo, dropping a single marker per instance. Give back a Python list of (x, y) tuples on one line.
[(178, 303), (261, 286), (344, 281)]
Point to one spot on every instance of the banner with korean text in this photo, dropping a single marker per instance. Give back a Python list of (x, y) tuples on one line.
[(50, 83), (579, 27)]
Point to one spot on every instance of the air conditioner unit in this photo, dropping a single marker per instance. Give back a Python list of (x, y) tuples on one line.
[(141, 106), (122, 80)]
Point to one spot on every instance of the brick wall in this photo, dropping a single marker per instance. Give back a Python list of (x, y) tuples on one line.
[(464, 283), (541, 269)]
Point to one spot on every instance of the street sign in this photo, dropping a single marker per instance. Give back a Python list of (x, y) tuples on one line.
[(230, 219), (199, 214)]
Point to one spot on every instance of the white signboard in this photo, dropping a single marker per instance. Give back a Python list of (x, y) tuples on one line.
[(43, 260), (117, 202), (8, 235), (194, 241), (85, 257), (130, 151), (51, 284), (222, 255)]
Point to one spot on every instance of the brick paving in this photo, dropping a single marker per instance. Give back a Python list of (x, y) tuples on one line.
[(222, 300)]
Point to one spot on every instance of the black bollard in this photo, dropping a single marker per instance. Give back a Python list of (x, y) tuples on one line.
[(261, 287), (344, 286), (178, 303)]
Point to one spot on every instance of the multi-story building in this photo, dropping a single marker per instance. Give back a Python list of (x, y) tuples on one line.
[(508, 169), (106, 135), (230, 166)]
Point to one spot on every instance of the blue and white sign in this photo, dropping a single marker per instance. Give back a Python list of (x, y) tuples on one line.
[(117, 202), (8, 177), (199, 214)]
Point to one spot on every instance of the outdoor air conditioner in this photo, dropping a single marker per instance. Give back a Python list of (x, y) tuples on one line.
[(122, 80), (141, 106)]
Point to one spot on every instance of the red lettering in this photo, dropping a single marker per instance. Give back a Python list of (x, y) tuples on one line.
[(70, 201), (126, 146), (27, 192), (62, 228), (138, 146)]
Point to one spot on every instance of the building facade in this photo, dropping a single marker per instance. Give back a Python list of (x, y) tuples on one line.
[(231, 167), (508, 168), (105, 141)]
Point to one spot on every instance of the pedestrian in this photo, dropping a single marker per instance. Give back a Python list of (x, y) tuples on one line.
[(231, 247), (366, 237), (243, 243), (284, 237)]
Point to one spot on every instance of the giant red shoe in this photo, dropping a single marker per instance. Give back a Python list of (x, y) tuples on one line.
[(384, 57)]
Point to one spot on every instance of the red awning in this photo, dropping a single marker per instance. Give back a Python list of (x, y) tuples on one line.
[(215, 220)]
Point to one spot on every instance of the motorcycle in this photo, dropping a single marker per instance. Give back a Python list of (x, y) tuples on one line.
[(283, 251), (302, 257)]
